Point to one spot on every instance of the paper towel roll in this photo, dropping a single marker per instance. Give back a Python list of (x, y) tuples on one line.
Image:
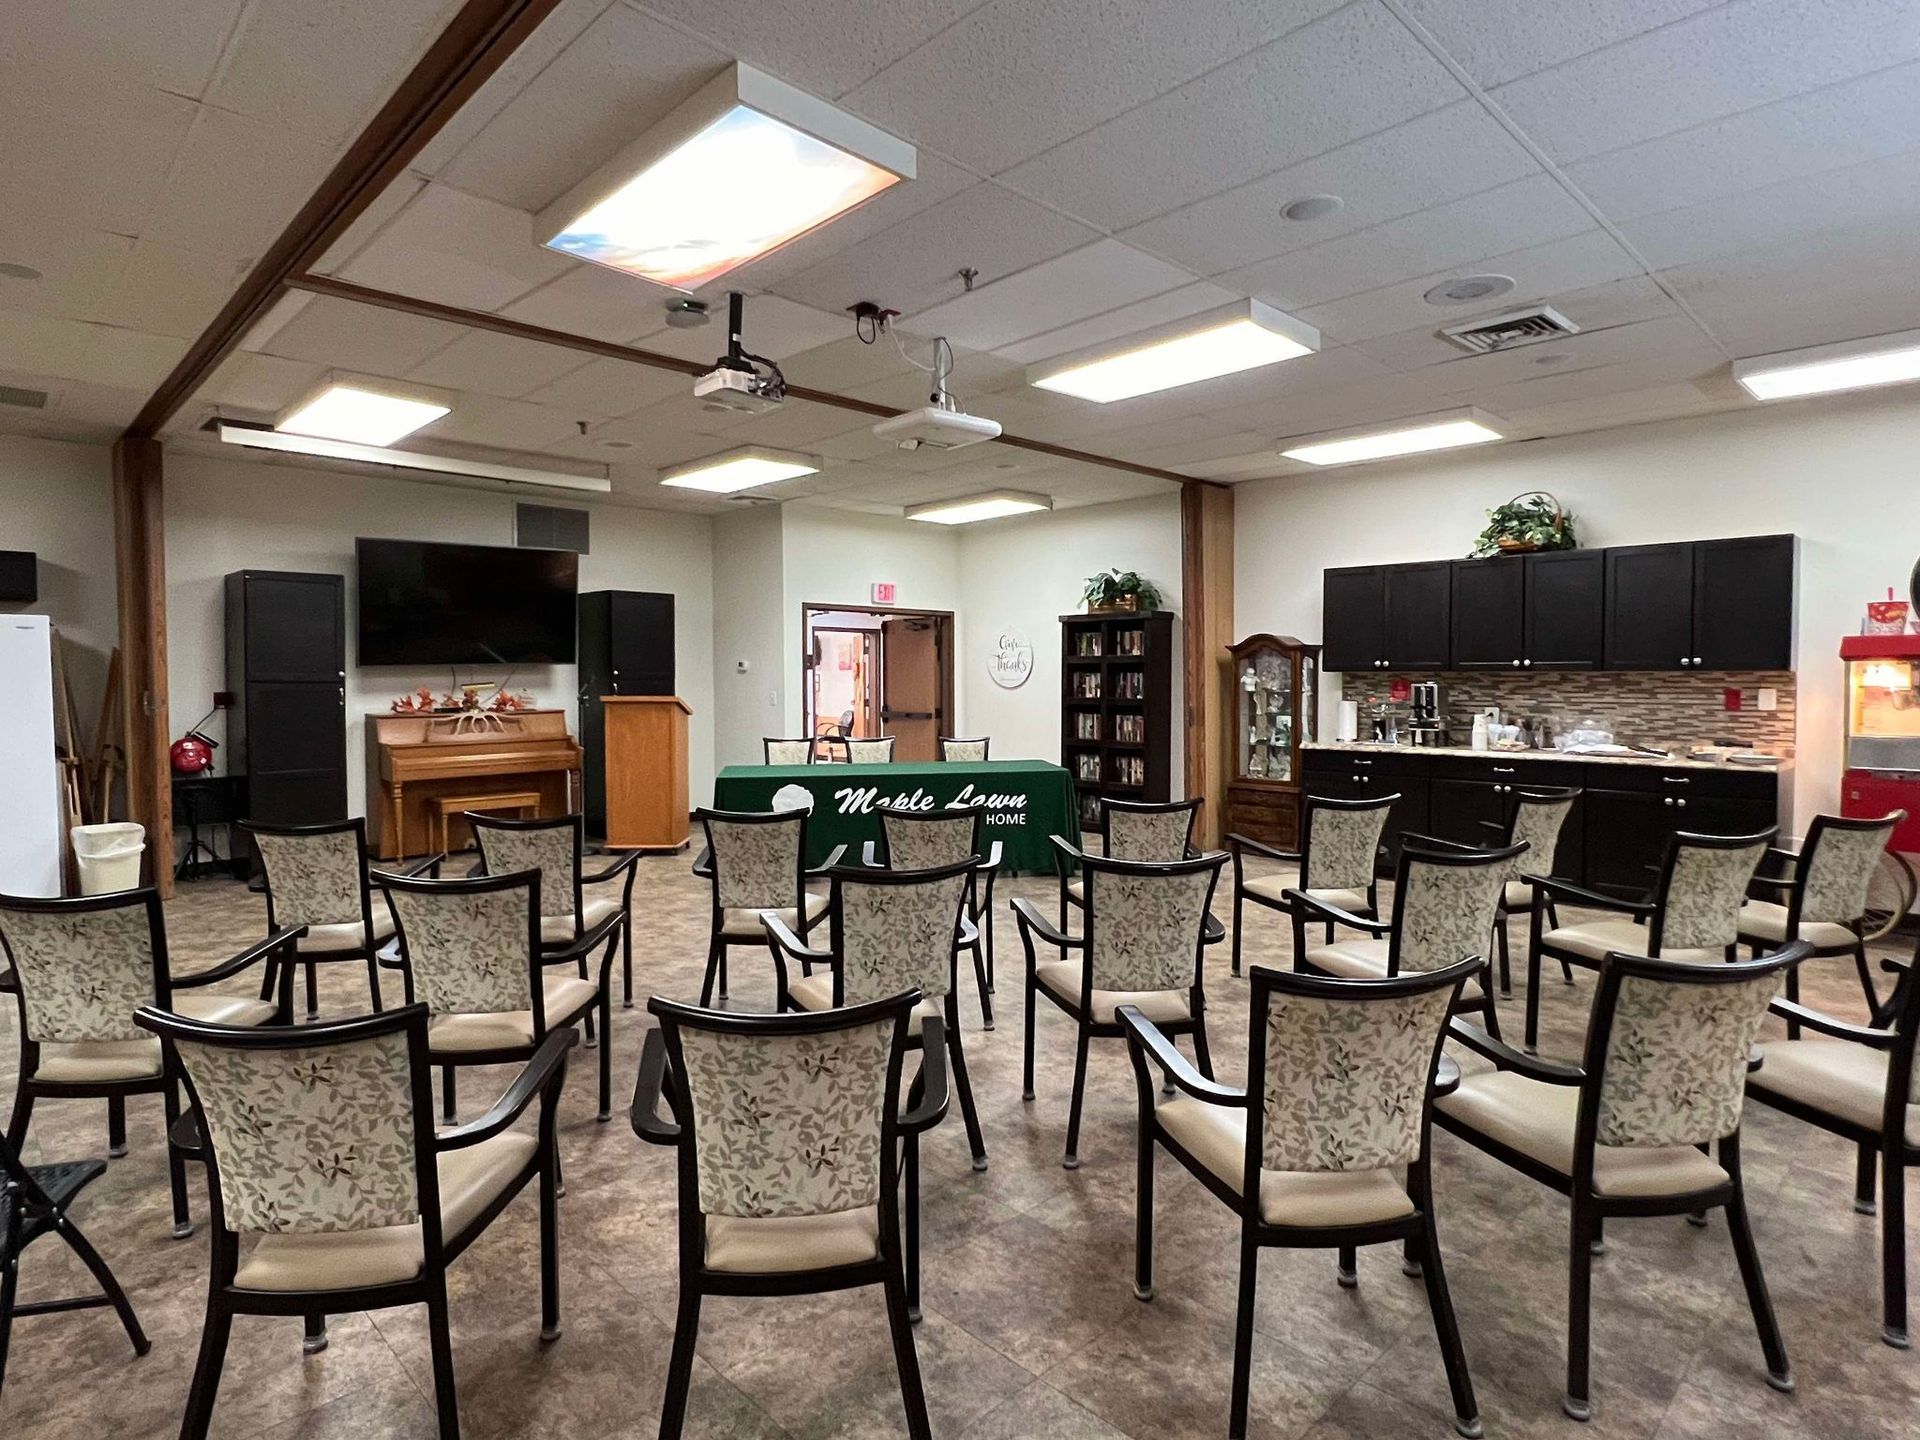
[(1347, 726)]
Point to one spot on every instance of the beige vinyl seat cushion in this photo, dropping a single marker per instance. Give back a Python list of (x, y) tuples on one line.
[(1363, 960), (1594, 940), (1537, 1119), (745, 924), (815, 992), (1274, 887), (470, 1180), (217, 1009), (1765, 921), (1062, 978), (564, 997), (1216, 1136), (1841, 1078), (348, 935), (560, 929), (99, 1062), (785, 1243)]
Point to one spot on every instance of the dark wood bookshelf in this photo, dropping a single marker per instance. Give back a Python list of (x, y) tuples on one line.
[(1103, 764)]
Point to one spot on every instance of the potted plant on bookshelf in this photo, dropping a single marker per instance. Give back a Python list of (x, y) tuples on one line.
[(1116, 592)]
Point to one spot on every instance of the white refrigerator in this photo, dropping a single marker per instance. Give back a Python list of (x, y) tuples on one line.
[(30, 849)]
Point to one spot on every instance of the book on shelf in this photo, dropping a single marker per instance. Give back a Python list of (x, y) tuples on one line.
[(1130, 729), (1087, 767), (1130, 642), (1087, 645), (1086, 727)]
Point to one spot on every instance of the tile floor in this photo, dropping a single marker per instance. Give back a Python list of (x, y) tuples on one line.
[(1031, 1328)]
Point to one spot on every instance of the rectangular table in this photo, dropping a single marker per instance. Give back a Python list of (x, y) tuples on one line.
[(1026, 801)]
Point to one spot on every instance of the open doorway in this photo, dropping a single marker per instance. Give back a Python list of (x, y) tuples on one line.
[(876, 671)]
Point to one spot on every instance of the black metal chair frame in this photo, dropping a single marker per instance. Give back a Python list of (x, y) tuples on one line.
[(165, 1084), (450, 1061), (719, 942), (1032, 923), (767, 742), (542, 1078), (368, 951), (1239, 845), (33, 1203), (622, 865), (1887, 1144), (1414, 850), (662, 1073), (984, 740), (1591, 1209), (1148, 1046), (1651, 912), (876, 854)]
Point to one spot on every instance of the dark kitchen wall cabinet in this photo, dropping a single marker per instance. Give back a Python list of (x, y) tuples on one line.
[(626, 648), (1704, 605), (1354, 618), (287, 669), (1650, 607), (1489, 613), (1565, 610), (1379, 617)]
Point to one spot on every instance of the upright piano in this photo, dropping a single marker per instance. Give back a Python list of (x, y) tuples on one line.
[(414, 761)]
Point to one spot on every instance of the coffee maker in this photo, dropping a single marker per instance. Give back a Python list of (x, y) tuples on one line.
[(1425, 723)]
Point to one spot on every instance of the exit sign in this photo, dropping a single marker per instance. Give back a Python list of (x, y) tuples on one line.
[(882, 593)]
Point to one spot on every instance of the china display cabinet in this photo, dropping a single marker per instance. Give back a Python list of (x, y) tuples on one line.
[(1273, 709)]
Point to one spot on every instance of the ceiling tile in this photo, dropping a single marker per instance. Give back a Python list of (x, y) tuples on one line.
[(458, 249), (264, 384), (96, 166), (1346, 76), (76, 266), (1647, 341), (1425, 162), (490, 364), (1121, 321), (774, 327), (1629, 407), (1596, 308), (75, 350), (845, 365), (90, 47), (167, 290), (1069, 288), (370, 222), (509, 424), (236, 185), (1014, 77), (359, 337), (1500, 40), (604, 389), (1725, 60), (796, 425), (594, 301)]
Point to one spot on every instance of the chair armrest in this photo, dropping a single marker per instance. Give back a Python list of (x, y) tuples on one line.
[(548, 1064), (933, 1076), (870, 854), (1580, 895), (428, 866), (781, 935), (703, 863), (9, 981), (1144, 1035), (624, 865), (833, 858), (1212, 932), (1508, 1058), (969, 934), (184, 1134), (647, 1086), (1032, 922), (1237, 843), (587, 943), (996, 853), (1328, 911), (1828, 1025), (1434, 842), (258, 951)]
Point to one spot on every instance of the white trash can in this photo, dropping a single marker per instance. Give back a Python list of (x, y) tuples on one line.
[(109, 856)]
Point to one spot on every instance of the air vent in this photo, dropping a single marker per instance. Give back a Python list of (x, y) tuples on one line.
[(26, 399), (550, 527), (1515, 328)]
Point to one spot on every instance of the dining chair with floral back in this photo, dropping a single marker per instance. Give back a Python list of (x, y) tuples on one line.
[(79, 969), (1627, 1132), (954, 748), (1306, 1160), (755, 861), (869, 750), (787, 1130), (778, 751), (1535, 820), (557, 849), (322, 1154), (1143, 943), (1692, 914), (1337, 861), (919, 839)]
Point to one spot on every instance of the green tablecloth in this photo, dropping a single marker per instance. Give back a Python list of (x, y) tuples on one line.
[(1026, 801)]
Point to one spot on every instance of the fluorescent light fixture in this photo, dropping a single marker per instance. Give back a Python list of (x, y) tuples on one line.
[(993, 505), (739, 169), (1242, 336), (260, 439), (1447, 430), (1824, 369), (341, 410), (740, 469)]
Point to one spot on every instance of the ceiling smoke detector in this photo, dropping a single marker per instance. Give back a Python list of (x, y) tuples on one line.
[(1515, 328), (1312, 207), (686, 314), (1468, 288)]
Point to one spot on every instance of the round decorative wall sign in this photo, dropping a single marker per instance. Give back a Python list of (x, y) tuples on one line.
[(1011, 660)]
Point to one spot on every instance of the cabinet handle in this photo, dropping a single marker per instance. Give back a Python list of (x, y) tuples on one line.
[(1667, 801), (1696, 660), (1516, 664), (1682, 803), (1526, 662), (1503, 770), (1675, 780)]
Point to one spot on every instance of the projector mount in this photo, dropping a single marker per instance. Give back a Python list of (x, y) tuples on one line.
[(740, 380)]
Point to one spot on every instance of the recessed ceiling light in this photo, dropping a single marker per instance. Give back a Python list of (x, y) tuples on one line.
[(1468, 288), (993, 505), (739, 169), (741, 469), (1242, 336), (14, 270), (1444, 431), (1826, 369), (1312, 207), (258, 438), (352, 412)]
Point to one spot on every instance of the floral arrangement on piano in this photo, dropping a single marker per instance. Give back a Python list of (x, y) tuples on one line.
[(473, 699)]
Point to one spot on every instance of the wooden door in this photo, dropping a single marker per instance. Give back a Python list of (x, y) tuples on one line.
[(912, 671), (1565, 609), (1649, 607), (1418, 604), (1350, 627), (1743, 603), (1488, 613)]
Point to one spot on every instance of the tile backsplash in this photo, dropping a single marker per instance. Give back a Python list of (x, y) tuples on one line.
[(1649, 707)]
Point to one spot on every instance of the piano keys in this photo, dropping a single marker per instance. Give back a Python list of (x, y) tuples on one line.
[(415, 760)]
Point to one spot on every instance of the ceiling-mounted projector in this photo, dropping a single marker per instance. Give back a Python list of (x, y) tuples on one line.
[(937, 427), (741, 382)]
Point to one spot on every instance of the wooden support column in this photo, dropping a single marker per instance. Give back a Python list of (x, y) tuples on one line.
[(140, 574), (1206, 582)]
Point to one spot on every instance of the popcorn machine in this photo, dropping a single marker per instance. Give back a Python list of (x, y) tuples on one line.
[(1883, 732)]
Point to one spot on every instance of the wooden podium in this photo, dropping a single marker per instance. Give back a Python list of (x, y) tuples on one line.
[(646, 769)]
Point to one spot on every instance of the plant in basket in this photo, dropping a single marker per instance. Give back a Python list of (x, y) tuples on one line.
[(1113, 590), (1534, 521)]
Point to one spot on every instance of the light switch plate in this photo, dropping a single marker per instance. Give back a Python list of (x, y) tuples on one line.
[(1768, 699)]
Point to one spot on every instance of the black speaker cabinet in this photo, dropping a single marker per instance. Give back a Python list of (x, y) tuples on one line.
[(19, 577), (626, 648)]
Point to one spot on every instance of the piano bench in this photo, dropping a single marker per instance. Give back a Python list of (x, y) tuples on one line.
[(525, 804)]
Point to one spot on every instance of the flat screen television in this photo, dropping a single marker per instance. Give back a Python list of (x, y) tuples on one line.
[(432, 604)]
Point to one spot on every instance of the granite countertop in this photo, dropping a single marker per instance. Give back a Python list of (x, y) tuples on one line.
[(1467, 751)]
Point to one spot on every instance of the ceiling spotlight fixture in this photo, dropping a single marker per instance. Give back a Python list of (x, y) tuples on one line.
[(343, 410), (1242, 336), (687, 314), (1312, 207), (1467, 289), (737, 170), (259, 438), (1826, 369), (1444, 431), (993, 505), (742, 469), (14, 270)]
